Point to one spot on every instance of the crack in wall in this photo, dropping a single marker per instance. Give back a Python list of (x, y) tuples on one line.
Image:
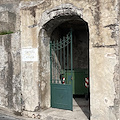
[(107, 46)]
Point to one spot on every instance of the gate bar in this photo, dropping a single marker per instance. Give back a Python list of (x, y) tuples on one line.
[(51, 62), (54, 67), (61, 59), (71, 52), (64, 53), (67, 58), (57, 62)]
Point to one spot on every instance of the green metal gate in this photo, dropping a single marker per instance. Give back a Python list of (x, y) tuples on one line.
[(60, 62)]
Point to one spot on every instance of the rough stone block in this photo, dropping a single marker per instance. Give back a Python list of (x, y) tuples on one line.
[(7, 21), (7, 26), (7, 17)]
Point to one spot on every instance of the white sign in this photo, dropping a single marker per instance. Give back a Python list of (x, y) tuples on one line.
[(30, 54)]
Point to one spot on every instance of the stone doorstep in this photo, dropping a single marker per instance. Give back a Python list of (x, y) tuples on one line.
[(43, 115), (54, 114), (35, 115), (50, 116)]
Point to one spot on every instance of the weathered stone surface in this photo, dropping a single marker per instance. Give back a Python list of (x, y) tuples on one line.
[(29, 86), (7, 17), (103, 84), (10, 56), (10, 72), (16, 58), (11, 7), (38, 20), (7, 21), (44, 73), (101, 17)]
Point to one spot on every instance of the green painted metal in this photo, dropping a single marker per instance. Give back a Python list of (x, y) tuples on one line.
[(79, 76), (60, 62), (61, 96)]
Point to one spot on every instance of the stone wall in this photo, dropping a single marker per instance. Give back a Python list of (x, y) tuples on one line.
[(10, 71), (36, 22), (10, 60), (118, 83), (7, 21), (101, 17), (9, 10)]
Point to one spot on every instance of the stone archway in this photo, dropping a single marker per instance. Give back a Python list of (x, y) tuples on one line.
[(49, 21)]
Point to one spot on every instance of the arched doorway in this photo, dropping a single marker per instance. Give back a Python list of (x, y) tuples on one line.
[(54, 27), (80, 56), (55, 31)]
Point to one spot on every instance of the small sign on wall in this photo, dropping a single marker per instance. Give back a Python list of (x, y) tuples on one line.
[(30, 54)]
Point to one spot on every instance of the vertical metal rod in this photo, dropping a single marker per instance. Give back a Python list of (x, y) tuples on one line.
[(54, 72), (51, 69), (51, 62), (71, 56), (60, 58), (67, 58), (64, 53), (57, 63), (71, 69), (71, 52)]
